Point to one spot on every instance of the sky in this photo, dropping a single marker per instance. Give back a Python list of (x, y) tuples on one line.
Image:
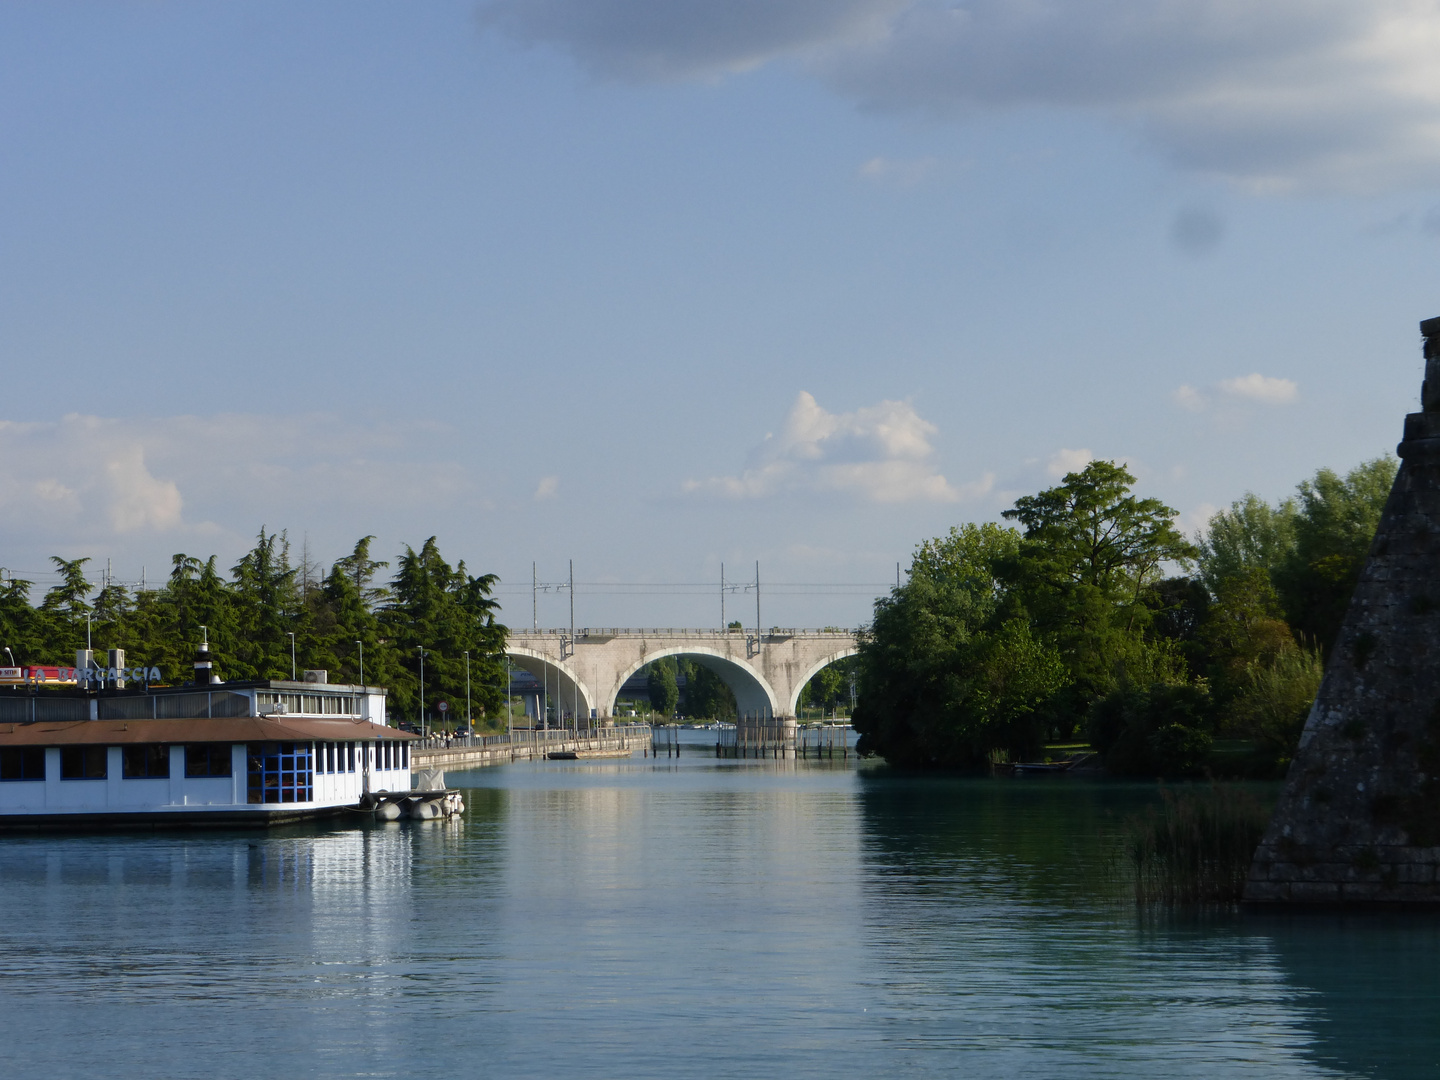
[(661, 285)]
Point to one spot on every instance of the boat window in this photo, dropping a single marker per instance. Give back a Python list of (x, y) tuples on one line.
[(148, 761), (82, 763), (279, 772), (207, 759), (22, 763)]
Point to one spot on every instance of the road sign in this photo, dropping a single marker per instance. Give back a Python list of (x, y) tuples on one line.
[(443, 706)]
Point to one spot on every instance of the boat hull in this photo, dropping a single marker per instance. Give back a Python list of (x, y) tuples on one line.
[(140, 820)]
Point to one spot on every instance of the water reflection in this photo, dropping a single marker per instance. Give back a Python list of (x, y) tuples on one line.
[(1371, 984), (685, 917), (996, 932)]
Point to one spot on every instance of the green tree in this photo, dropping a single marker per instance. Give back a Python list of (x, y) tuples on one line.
[(1087, 575), (268, 603), (21, 628), (448, 613), (1251, 535), (1334, 528), (663, 689), (706, 695), (347, 628), (945, 678)]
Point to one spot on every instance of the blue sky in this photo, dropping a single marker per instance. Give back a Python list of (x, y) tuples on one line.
[(660, 285)]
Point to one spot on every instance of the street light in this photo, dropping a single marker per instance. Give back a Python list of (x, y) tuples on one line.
[(468, 722), (292, 655), (424, 729)]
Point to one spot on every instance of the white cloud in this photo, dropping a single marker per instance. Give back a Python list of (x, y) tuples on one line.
[(897, 172), (881, 453), (1277, 96), (1190, 399), (1067, 461), (547, 487), (1262, 388), (1196, 520), (94, 484)]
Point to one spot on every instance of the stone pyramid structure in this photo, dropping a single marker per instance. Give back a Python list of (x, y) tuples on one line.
[(1359, 819)]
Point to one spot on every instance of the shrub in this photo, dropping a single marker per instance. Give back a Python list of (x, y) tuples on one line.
[(1196, 848), (1163, 730)]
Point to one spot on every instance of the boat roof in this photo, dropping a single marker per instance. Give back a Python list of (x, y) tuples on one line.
[(202, 730)]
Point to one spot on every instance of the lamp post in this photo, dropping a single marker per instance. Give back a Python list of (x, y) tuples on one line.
[(361, 646), (291, 635), (468, 722), (424, 728)]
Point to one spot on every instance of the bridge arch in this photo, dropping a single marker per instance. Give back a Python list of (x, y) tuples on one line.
[(792, 707), (566, 686), (753, 694)]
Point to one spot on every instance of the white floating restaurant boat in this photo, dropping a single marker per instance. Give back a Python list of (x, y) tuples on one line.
[(207, 754)]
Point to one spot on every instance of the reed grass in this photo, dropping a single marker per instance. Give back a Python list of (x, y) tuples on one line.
[(1196, 847)]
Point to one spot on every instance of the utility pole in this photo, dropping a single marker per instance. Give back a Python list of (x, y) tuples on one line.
[(292, 655), (468, 722), (757, 602), (423, 726), (534, 604), (361, 646), (722, 598)]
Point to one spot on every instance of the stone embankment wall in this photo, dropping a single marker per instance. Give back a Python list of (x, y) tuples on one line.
[(1359, 818)]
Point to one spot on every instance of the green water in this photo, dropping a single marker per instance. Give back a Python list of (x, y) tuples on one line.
[(686, 918)]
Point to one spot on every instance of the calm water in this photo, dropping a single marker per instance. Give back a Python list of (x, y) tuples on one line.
[(685, 918)]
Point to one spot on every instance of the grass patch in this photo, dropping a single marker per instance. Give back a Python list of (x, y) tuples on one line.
[(1196, 847)]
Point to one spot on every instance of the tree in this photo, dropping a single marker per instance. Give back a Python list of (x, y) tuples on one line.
[(829, 688), (448, 613), (945, 677), (661, 684), (1251, 535), (269, 604), (1334, 527), (1087, 574), (706, 695)]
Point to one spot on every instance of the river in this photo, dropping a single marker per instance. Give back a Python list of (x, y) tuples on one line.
[(686, 918)]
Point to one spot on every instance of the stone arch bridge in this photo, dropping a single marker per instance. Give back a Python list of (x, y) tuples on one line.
[(766, 672)]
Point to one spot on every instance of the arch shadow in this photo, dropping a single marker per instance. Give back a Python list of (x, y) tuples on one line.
[(565, 686), (794, 704)]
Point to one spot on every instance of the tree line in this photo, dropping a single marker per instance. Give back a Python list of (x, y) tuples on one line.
[(1074, 624), (340, 618)]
